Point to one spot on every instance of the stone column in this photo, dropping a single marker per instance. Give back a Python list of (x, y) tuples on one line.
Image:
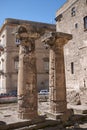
[(57, 81), (27, 85), (57, 85), (27, 80)]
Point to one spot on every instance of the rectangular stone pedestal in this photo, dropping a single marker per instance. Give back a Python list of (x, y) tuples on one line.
[(54, 116), (60, 116), (31, 115)]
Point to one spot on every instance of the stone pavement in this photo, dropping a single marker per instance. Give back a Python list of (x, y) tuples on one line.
[(78, 109), (8, 114)]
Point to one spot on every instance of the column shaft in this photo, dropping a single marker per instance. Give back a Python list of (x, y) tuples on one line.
[(57, 81), (27, 85)]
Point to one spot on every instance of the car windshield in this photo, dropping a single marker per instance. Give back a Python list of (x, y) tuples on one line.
[(44, 91)]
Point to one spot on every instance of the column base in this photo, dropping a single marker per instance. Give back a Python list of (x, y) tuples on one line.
[(31, 115), (62, 116)]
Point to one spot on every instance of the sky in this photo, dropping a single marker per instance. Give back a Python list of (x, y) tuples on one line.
[(32, 10)]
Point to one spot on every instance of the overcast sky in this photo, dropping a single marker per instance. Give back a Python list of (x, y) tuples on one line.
[(33, 10)]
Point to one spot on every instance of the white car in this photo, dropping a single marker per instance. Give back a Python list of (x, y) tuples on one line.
[(44, 92)]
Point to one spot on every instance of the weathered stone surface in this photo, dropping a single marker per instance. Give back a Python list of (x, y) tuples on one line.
[(27, 76), (11, 52), (76, 49), (73, 97), (57, 86), (27, 80)]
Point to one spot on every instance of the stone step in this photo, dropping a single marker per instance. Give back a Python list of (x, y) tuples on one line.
[(21, 124), (79, 111), (29, 125), (43, 125)]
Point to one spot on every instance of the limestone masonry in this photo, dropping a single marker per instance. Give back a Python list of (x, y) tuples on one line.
[(9, 57), (71, 18)]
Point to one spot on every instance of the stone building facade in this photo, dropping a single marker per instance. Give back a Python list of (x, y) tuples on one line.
[(9, 56), (72, 18)]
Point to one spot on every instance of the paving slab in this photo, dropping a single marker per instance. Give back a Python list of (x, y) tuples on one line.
[(9, 116), (78, 109)]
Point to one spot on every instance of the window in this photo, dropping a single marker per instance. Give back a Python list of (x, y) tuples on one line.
[(76, 25), (2, 64), (3, 36), (16, 65), (73, 11), (85, 22), (72, 68), (46, 64), (17, 42), (59, 18), (16, 62)]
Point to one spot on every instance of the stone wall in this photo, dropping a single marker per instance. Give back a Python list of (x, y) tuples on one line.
[(76, 49)]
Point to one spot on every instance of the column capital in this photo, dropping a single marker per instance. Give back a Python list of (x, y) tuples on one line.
[(55, 39), (27, 37), (27, 34)]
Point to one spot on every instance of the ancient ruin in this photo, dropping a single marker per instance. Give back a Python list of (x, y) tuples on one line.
[(27, 90), (27, 84), (57, 86), (66, 108), (27, 80)]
